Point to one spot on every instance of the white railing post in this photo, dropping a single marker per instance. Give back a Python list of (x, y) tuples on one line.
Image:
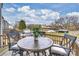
[(1, 26)]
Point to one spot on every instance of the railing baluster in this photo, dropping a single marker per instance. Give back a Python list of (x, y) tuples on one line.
[(57, 39)]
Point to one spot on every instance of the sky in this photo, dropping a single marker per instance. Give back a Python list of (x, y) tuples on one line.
[(38, 13)]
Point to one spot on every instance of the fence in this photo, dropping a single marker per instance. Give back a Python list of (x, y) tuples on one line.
[(57, 39)]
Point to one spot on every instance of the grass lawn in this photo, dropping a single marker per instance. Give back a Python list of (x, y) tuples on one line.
[(62, 34), (56, 33), (77, 35)]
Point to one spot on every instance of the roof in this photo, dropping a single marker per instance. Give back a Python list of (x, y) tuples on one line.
[(51, 31)]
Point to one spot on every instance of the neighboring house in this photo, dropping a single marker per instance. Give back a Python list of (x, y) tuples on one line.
[(16, 25), (46, 27), (5, 25), (3, 31)]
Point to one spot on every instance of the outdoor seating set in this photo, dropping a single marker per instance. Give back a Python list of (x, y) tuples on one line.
[(40, 46)]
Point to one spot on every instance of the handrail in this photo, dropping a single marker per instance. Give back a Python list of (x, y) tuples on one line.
[(5, 40), (57, 39)]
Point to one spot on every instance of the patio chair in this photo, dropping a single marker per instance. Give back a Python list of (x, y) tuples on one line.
[(63, 49), (13, 37)]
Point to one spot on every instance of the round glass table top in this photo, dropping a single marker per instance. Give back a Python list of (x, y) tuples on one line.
[(28, 43)]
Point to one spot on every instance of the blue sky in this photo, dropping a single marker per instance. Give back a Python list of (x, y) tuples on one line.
[(42, 13)]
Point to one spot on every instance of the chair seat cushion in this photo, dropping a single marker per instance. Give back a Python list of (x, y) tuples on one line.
[(57, 49), (15, 47)]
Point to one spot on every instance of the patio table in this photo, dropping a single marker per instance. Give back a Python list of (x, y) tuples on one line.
[(29, 44)]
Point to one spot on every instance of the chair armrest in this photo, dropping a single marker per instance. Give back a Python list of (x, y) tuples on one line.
[(67, 48), (57, 46), (61, 47)]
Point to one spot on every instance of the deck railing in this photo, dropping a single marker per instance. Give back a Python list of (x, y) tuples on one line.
[(5, 40), (57, 39)]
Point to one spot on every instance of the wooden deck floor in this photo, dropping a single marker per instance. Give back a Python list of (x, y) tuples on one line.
[(9, 53)]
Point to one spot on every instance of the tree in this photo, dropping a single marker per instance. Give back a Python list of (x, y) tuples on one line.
[(72, 22), (32, 26), (22, 25)]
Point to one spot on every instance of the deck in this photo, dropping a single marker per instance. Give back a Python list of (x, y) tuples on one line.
[(9, 53), (56, 39)]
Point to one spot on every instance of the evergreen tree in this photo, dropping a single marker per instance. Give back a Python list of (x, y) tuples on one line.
[(22, 25)]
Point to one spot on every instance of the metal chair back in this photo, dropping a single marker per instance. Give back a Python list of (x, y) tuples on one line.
[(13, 37), (68, 40)]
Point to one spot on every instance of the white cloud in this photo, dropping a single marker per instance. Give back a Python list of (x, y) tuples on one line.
[(31, 11), (45, 11), (50, 14), (11, 10), (32, 15), (38, 16), (24, 9), (54, 15), (73, 14)]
